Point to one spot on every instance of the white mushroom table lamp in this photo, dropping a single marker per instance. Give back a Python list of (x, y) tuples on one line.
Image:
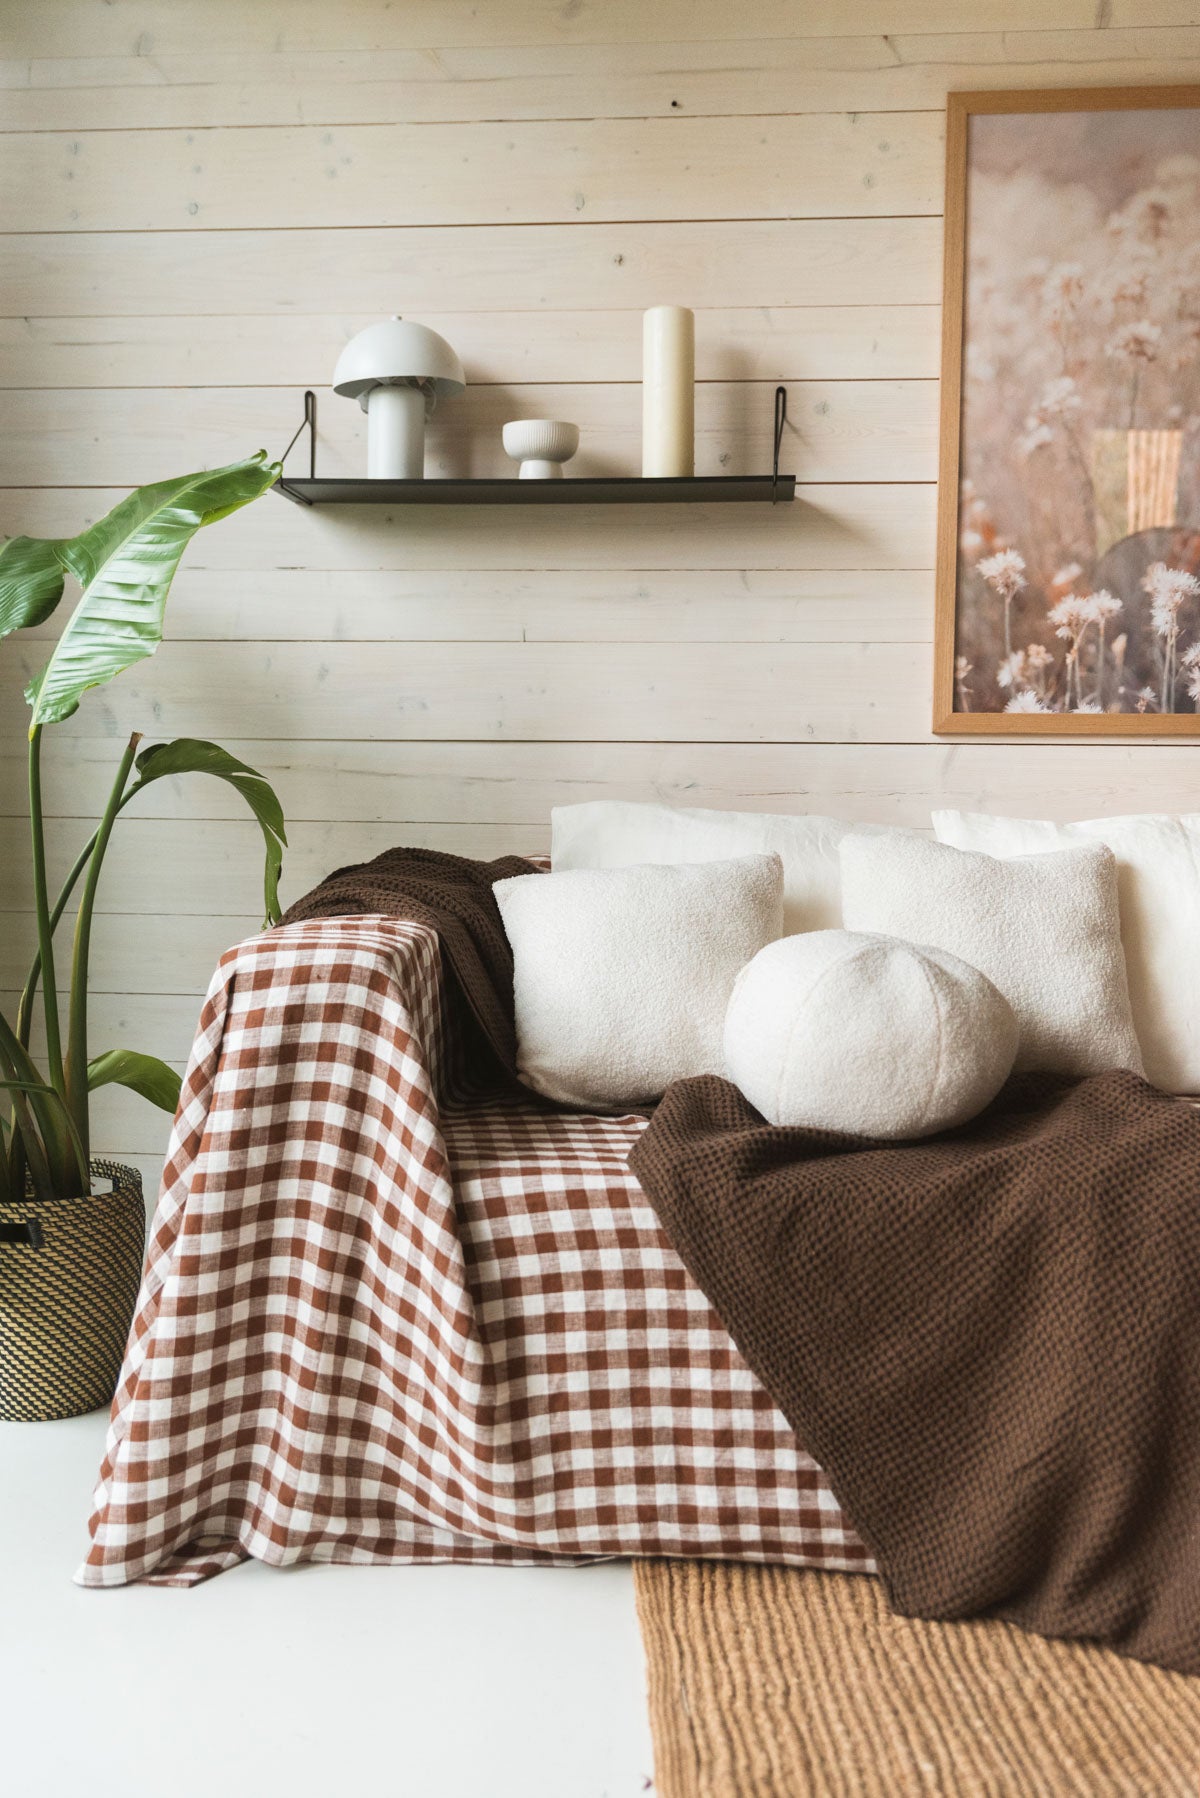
[(397, 371)]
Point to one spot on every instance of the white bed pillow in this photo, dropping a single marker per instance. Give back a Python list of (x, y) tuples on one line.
[(866, 1035), (1045, 929), (1158, 879), (622, 975), (613, 833)]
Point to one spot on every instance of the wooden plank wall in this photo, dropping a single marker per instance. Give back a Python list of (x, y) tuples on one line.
[(203, 199)]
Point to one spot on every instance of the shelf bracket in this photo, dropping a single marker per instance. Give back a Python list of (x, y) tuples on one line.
[(307, 423), (780, 421)]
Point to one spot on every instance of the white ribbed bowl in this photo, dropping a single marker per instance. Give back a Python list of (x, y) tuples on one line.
[(540, 445)]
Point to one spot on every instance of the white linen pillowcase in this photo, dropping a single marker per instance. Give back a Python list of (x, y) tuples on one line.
[(1045, 929), (1158, 882), (615, 833), (622, 976)]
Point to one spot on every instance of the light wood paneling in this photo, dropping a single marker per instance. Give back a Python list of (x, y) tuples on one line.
[(854, 165), (829, 527), (543, 692), (208, 870), (514, 785), (836, 430), (540, 605), (153, 28), (161, 1024), (148, 953), (532, 268), (749, 343), (524, 81)]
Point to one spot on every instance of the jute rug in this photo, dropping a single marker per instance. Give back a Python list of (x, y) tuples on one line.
[(768, 1682)]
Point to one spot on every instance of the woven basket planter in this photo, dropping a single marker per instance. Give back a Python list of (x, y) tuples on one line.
[(66, 1307)]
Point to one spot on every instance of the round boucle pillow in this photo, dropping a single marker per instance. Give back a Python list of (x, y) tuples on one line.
[(866, 1035)]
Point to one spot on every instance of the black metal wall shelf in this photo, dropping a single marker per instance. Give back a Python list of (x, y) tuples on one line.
[(619, 490), (590, 492)]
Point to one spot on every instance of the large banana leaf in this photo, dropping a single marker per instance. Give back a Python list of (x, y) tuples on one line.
[(31, 581), (125, 564), (190, 755), (144, 1074)]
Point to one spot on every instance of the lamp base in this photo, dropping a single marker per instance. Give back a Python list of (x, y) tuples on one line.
[(395, 434)]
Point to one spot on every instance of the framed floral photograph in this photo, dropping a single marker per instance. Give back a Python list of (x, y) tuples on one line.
[(1068, 559)]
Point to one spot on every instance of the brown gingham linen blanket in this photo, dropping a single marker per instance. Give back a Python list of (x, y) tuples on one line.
[(379, 1324), (991, 1339)]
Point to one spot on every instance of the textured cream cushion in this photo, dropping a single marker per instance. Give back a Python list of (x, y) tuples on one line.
[(622, 975), (1045, 929), (1158, 878), (612, 833), (866, 1035)]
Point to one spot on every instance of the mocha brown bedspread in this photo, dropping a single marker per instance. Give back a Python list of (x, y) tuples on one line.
[(989, 1340)]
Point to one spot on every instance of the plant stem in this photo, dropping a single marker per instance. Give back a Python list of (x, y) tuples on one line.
[(14, 1061), (29, 992), (77, 1047), (18, 1156), (48, 1092), (41, 906)]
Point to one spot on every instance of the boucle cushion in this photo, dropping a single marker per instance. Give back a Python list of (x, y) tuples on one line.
[(1045, 929), (1158, 879), (622, 975), (866, 1035), (612, 833)]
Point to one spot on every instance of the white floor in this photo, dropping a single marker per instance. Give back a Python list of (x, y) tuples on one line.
[(422, 1682)]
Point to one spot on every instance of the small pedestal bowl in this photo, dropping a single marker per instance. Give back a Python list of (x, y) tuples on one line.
[(541, 446)]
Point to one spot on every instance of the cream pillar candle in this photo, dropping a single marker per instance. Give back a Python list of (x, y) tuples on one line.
[(668, 382)]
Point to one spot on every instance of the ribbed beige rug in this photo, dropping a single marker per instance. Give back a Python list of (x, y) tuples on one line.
[(767, 1682)]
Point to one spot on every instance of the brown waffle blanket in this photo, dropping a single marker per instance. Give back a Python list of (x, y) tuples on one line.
[(452, 895), (989, 1340)]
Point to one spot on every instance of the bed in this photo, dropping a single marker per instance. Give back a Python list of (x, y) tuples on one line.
[(382, 1321)]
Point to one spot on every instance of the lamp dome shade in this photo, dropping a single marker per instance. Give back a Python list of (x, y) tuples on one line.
[(397, 351)]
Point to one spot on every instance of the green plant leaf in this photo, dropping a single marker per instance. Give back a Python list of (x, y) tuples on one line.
[(125, 564), (47, 1130), (144, 1074), (39, 1089), (191, 755), (31, 581)]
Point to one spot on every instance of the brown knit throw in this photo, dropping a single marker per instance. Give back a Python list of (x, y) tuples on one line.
[(989, 1340), (453, 896)]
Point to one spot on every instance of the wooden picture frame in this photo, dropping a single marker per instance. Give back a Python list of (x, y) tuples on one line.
[(980, 160)]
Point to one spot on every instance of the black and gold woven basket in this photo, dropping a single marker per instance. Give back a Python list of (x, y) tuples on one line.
[(66, 1305)]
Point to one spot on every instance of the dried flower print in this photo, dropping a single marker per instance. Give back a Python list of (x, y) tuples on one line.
[(1005, 574), (1078, 585)]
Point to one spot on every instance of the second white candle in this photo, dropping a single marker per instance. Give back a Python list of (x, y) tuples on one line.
[(668, 391)]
